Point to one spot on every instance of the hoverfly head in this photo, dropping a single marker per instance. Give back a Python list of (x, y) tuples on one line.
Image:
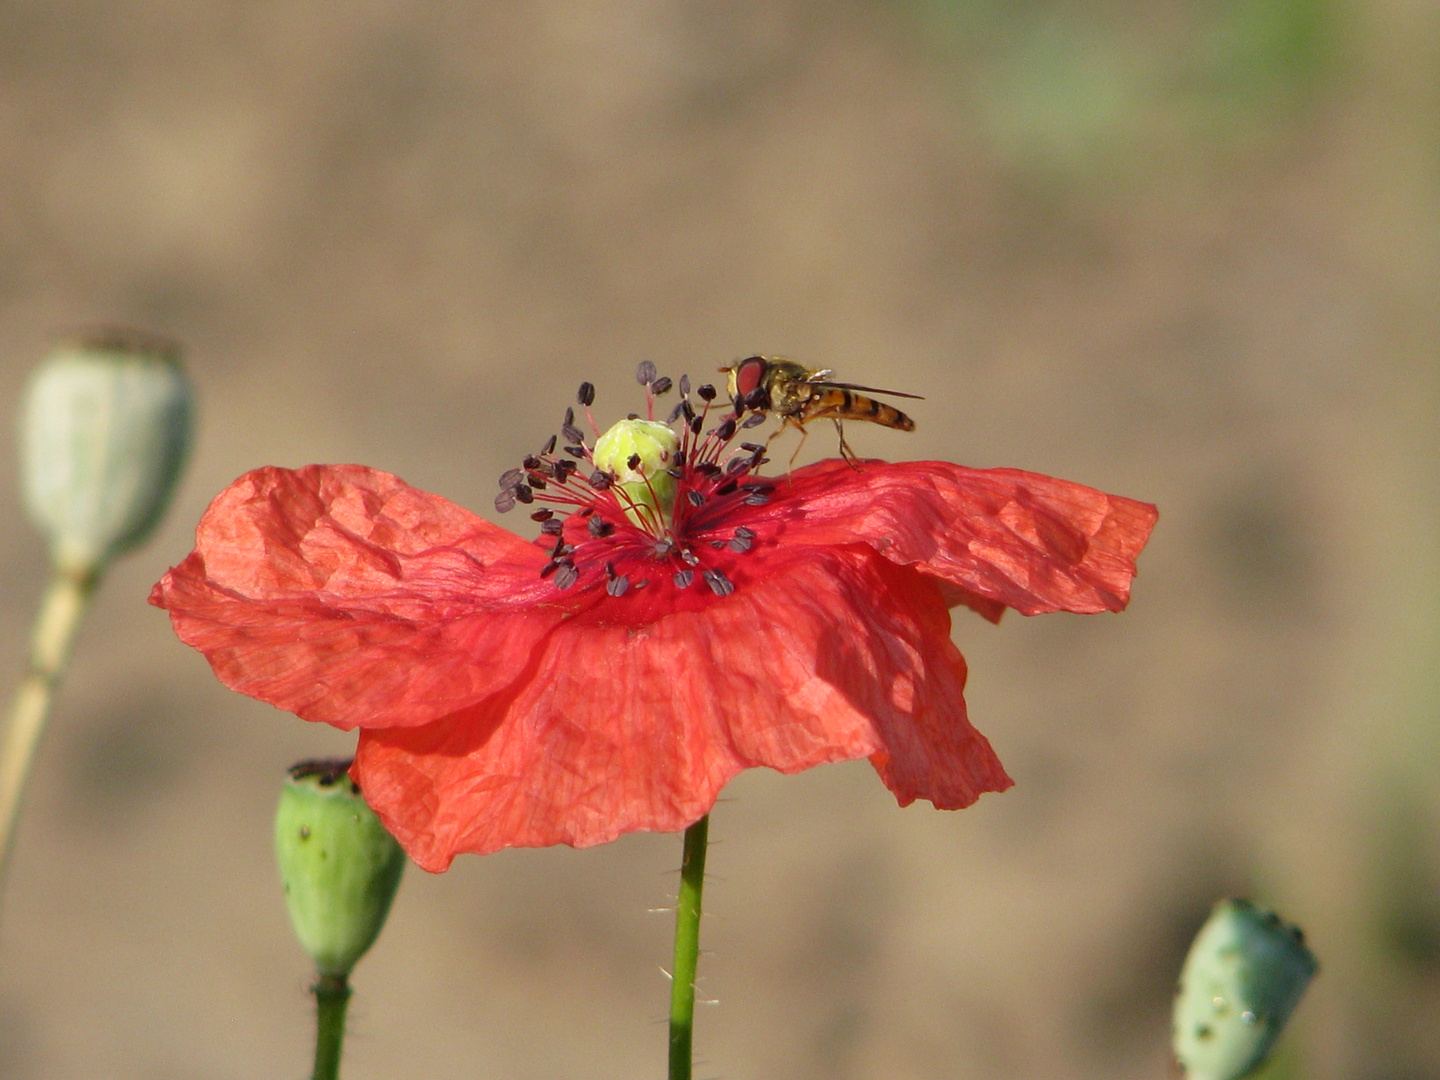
[(747, 376)]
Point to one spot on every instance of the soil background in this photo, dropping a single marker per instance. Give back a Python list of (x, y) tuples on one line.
[(1182, 251)]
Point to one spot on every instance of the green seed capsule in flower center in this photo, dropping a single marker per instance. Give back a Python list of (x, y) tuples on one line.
[(638, 454)]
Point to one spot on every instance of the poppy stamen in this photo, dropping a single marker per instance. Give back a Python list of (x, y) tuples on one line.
[(661, 494)]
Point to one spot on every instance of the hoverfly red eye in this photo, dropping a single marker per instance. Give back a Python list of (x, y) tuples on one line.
[(748, 374)]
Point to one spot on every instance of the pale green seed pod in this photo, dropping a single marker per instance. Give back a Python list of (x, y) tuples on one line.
[(1245, 973), (339, 866), (637, 453), (104, 433)]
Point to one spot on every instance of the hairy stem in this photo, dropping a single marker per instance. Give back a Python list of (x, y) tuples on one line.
[(687, 949)]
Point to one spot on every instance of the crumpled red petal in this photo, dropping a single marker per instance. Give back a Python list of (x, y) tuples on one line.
[(614, 729), (999, 537), (346, 596), (497, 710)]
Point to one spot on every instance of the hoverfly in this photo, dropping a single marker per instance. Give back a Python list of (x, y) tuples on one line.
[(798, 394)]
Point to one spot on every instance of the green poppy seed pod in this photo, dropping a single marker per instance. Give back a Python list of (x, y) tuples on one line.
[(104, 433), (1245, 973), (638, 453), (339, 866)]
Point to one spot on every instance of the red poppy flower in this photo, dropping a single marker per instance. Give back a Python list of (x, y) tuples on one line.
[(615, 674)]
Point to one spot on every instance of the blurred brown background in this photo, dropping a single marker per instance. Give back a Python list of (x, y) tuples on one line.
[(1181, 250)]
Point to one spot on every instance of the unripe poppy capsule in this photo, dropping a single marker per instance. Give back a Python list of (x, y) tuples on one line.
[(1245, 973), (104, 433), (638, 453), (339, 866)]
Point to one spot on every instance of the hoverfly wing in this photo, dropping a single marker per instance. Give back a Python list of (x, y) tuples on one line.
[(869, 389)]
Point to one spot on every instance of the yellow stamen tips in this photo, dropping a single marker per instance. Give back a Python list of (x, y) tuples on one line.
[(638, 454)]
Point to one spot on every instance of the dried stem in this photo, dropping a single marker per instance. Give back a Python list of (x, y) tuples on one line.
[(54, 633)]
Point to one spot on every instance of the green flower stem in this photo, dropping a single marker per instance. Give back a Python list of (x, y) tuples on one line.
[(332, 994), (687, 949), (54, 633)]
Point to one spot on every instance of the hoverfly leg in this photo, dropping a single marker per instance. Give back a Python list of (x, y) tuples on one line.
[(775, 434), (787, 422), (804, 434), (851, 458)]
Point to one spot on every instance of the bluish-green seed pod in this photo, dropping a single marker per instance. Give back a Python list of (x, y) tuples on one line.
[(339, 866), (104, 433), (1245, 973)]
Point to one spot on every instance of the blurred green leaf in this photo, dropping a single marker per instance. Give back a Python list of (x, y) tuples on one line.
[(1256, 50), (1081, 89)]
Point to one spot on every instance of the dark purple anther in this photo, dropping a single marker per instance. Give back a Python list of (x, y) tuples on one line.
[(719, 584)]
